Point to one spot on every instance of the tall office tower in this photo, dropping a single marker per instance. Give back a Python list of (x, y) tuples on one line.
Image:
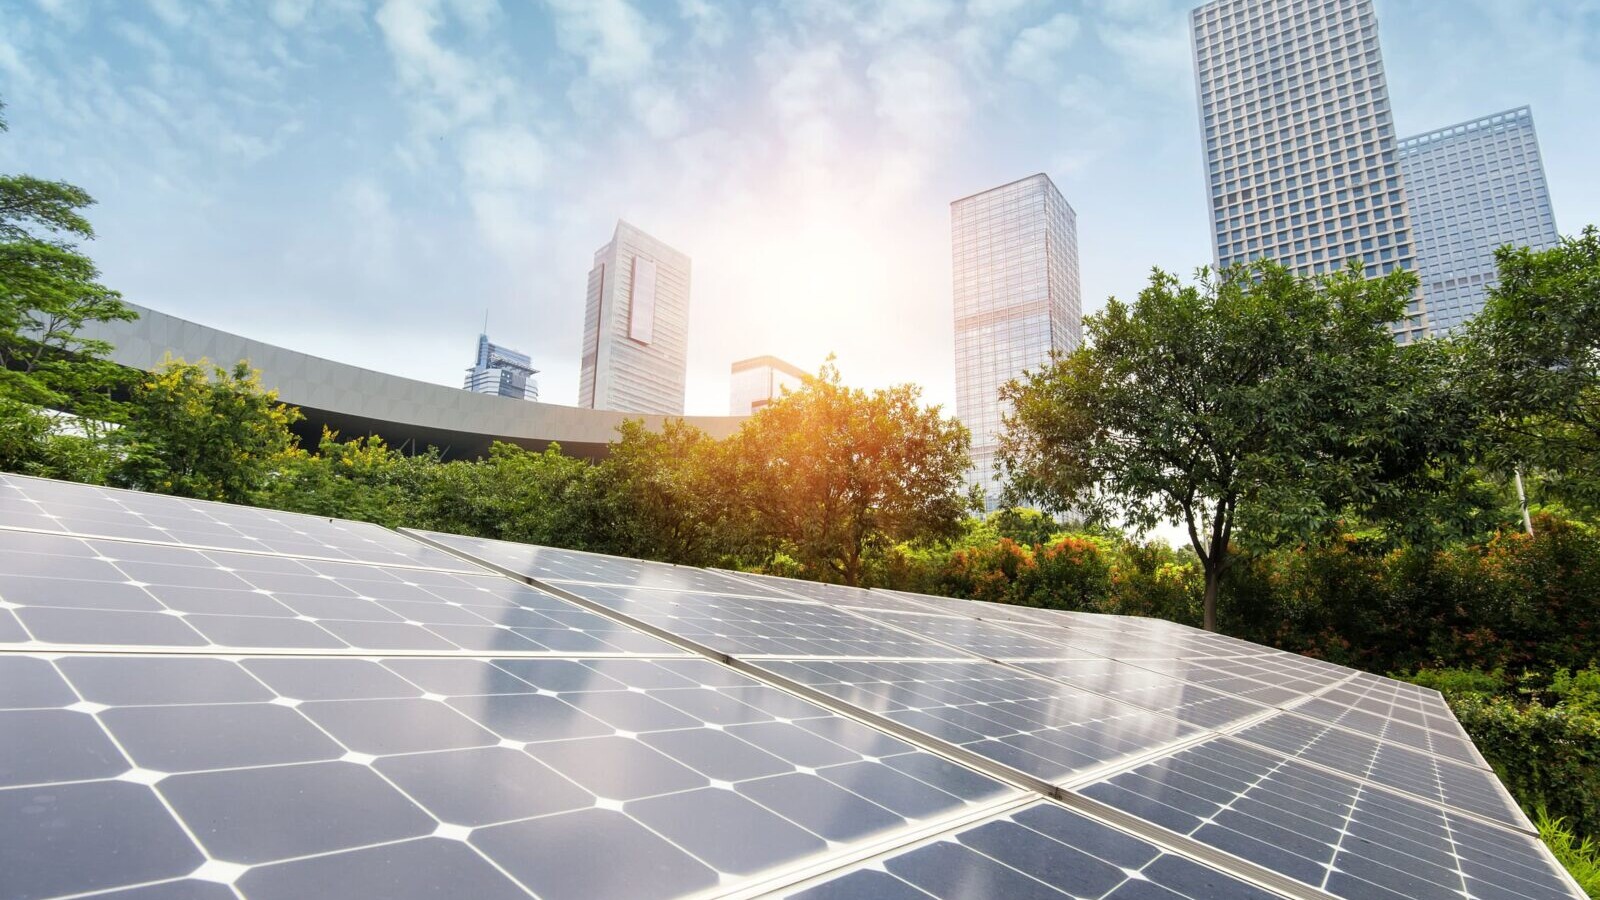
[(636, 326), (758, 381), (503, 372), (1015, 261), (1300, 143), (1472, 188)]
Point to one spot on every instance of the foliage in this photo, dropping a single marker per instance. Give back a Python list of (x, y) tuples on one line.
[(202, 431), (1459, 681), (48, 293), (668, 488), (1532, 362), (831, 475), (361, 479), (1580, 855), (1252, 395)]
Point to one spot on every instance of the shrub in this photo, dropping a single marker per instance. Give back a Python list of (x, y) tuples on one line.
[(1581, 855), (1072, 573), (1548, 757)]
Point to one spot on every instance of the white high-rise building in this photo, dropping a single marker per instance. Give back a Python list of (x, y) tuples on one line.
[(502, 372), (758, 381), (636, 326), (1015, 263), (1299, 139), (1473, 188)]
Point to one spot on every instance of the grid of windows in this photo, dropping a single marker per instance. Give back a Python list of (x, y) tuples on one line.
[(1300, 144), (620, 372), (1015, 265), (1473, 187)]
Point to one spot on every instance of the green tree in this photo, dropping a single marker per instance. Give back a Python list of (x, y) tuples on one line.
[(1253, 395), (1534, 365), (665, 495), (48, 292), (198, 430), (362, 478), (514, 494), (830, 474)]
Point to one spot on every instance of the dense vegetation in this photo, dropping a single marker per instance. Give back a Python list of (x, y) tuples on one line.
[(1341, 496)]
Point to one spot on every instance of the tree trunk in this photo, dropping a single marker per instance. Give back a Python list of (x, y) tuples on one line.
[(1209, 605)]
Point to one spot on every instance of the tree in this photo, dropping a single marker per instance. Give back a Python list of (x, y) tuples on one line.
[(362, 478), (665, 494), (1253, 395), (831, 474), (1534, 364), (198, 430), (48, 292), (514, 494)]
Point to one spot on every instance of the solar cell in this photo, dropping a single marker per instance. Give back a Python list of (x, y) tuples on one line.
[(592, 776), (756, 626), (1327, 831), (836, 594), (66, 590), (1042, 850), (38, 504), (989, 640), (1191, 703), (1429, 777), (552, 564), (1033, 725)]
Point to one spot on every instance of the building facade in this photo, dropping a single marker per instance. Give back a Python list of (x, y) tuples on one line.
[(1301, 158), (758, 381), (636, 326), (1472, 188), (1015, 263), (502, 372)]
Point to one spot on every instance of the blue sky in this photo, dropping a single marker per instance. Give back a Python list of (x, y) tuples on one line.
[(362, 179)]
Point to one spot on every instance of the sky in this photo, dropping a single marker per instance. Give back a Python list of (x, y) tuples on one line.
[(366, 180)]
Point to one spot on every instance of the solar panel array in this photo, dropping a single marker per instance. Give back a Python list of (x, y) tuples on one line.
[(199, 700)]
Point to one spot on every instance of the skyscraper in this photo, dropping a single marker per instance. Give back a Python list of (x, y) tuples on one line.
[(1299, 140), (503, 372), (1015, 262), (636, 326), (1472, 188), (758, 381)]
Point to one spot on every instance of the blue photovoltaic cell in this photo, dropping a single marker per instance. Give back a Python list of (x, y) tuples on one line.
[(71, 590), (1034, 725), (1452, 784), (1328, 831), (1191, 703), (396, 776), (837, 594), (989, 640), (1042, 851), (754, 626), (41, 505)]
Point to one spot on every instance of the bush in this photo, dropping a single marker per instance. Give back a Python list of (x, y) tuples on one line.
[(1581, 855), (1548, 757)]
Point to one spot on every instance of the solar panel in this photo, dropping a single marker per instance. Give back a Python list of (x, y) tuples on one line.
[(554, 565), (207, 701), (597, 776), (37, 504), (1422, 775), (1039, 851), (1032, 725), (72, 591), (755, 626), (1332, 833)]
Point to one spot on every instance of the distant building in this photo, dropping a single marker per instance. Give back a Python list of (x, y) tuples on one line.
[(504, 372), (1014, 251), (636, 326), (758, 381), (1472, 188), (1299, 138)]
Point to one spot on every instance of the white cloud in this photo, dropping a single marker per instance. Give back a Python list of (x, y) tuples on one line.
[(451, 89), (289, 13), (1038, 53), (503, 158), (612, 38), (708, 20)]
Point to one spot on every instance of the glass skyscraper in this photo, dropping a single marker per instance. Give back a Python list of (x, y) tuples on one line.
[(503, 372), (1299, 140), (758, 381), (1473, 187), (1015, 265), (636, 326)]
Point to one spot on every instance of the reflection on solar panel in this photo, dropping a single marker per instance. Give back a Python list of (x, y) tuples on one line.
[(202, 701)]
